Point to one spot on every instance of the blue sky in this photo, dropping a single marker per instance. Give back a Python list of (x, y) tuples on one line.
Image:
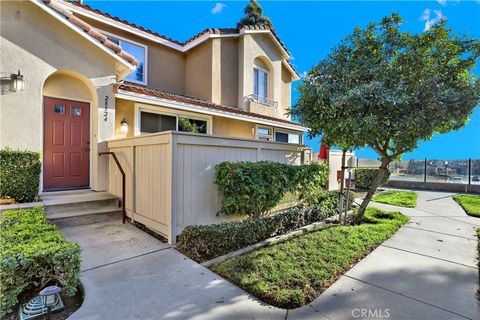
[(310, 29)]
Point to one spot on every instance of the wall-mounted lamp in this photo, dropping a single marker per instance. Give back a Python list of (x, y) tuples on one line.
[(18, 82), (123, 126)]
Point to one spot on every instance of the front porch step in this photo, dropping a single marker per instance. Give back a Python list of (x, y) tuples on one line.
[(80, 207)]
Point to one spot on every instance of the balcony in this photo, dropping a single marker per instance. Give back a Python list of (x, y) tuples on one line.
[(262, 100)]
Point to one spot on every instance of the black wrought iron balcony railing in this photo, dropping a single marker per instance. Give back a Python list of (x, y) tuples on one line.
[(262, 100)]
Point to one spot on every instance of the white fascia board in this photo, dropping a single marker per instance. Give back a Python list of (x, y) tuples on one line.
[(292, 71), (143, 98), (62, 19)]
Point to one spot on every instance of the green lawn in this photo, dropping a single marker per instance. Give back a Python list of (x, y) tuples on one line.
[(397, 198), (293, 273), (469, 203)]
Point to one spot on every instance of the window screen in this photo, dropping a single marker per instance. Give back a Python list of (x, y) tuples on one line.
[(154, 122)]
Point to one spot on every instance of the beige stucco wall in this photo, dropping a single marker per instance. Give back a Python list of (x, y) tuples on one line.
[(218, 70), (38, 45), (228, 80), (286, 89), (198, 71), (60, 85), (165, 66), (233, 128)]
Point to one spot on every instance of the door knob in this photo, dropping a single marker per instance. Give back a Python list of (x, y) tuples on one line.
[(87, 147)]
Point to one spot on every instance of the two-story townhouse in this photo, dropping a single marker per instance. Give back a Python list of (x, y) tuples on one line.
[(89, 77)]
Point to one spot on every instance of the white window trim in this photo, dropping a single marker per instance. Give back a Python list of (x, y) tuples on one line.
[(145, 48), (300, 134), (267, 96), (165, 111), (270, 136)]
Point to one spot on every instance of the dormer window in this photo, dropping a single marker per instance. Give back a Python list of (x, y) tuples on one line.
[(260, 83), (139, 51)]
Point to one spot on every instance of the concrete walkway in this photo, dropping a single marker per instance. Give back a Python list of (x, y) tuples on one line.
[(427, 270), (127, 274)]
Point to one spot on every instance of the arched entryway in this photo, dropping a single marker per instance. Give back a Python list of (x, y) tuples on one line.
[(67, 99)]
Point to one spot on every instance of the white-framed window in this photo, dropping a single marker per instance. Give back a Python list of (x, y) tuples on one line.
[(288, 137), (151, 121), (264, 133), (260, 83), (139, 51)]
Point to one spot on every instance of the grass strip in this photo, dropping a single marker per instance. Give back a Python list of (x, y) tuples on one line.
[(470, 203), (406, 199), (293, 273)]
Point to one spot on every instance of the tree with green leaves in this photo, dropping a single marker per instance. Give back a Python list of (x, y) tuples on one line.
[(254, 16), (388, 90)]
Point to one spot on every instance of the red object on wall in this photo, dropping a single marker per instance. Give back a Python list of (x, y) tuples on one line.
[(66, 143), (324, 149)]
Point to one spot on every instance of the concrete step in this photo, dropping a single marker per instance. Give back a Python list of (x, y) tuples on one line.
[(84, 217), (80, 207), (84, 201)]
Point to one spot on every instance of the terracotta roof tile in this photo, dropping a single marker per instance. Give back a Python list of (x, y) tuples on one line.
[(135, 88), (76, 21)]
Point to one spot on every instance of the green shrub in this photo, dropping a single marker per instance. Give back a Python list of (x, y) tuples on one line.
[(19, 174), (254, 188), (202, 243), (32, 254), (364, 178)]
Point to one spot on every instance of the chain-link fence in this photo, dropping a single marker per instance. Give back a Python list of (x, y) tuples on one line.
[(431, 170)]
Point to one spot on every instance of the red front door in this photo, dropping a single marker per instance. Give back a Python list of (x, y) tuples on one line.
[(66, 133)]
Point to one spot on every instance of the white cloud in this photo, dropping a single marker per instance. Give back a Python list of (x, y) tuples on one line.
[(431, 17), (218, 7), (442, 2)]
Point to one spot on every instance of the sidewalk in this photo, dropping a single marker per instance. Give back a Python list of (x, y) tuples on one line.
[(427, 270)]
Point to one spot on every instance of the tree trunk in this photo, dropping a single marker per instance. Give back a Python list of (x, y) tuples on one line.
[(375, 184), (342, 182), (342, 185)]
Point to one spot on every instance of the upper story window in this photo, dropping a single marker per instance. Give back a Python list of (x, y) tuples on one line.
[(139, 51), (260, 83)]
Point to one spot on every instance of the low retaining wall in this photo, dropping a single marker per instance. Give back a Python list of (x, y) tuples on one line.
[(466, 188)]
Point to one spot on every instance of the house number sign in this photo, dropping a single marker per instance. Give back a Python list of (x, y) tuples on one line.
[(105, 110)]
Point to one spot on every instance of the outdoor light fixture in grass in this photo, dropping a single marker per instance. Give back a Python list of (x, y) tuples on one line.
[(45, 303)]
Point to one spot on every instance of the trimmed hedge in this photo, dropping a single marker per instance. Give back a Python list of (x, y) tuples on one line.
[(364, 178), (254, 188), (34, 253), (19, 174), (202, 243)]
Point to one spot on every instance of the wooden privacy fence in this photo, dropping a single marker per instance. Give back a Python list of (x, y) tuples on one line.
[(169, 175)]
